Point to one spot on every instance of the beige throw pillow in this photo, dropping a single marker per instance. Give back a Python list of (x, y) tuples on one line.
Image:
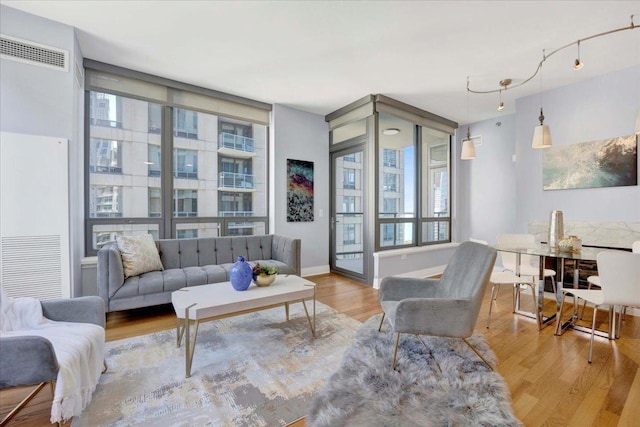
[(139, 254)]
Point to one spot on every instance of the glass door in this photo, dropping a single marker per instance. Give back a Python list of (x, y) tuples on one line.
[(347, 216)]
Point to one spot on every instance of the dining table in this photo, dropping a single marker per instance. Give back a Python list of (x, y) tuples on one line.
[(543, 251)]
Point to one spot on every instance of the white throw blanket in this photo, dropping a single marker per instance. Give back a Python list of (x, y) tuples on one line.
[(79, 348)]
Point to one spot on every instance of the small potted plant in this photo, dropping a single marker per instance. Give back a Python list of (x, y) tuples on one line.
[(264, 275)]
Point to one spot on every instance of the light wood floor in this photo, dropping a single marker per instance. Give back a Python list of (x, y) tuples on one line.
[(550, 381)]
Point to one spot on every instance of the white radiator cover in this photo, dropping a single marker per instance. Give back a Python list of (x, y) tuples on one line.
[(34, 216)]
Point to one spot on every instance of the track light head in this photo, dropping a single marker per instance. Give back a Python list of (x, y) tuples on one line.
[(577, 64), (501, 106)]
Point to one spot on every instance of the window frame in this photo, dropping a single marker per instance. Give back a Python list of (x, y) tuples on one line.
[(166, 225)]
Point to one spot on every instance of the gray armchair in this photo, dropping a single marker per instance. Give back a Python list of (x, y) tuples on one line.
[(445, 307), (31, 360)]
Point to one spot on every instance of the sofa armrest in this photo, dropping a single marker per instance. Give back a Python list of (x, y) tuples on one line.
[(110, 272), (26, 360), (287, 250), (89, 309)]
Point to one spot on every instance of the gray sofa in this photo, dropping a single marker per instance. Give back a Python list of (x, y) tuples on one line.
[(189, 262)]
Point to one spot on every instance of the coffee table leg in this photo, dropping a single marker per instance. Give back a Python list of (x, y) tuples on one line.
[(179, 332), (286, 310), (188, 345), (311, 325)]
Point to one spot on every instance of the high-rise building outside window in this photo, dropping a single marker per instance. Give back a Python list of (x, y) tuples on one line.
[(217, 173)]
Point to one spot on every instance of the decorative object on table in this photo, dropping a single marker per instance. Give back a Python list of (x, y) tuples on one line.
[(439, 383), (240, 275), (556, 229), (240, 368), (299, 191), (264, 275), (606, 163)]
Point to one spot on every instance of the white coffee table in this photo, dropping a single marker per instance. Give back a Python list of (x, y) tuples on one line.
[(221, 300)]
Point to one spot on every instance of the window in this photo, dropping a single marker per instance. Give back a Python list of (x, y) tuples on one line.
[(389, 158), (349, 179), (390, 206), (349, 234), (185, 203), (105, 110), (185, 163), (348, 203), (349, 157), (185, 123), (390, 182), (208, 190), (189, 233), (155, 206), (436, 217), (155, 118), (106, 201), (105, 156), (153, 160)]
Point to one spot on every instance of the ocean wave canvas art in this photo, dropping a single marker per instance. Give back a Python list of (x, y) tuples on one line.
[(606, 163), (299, 191)]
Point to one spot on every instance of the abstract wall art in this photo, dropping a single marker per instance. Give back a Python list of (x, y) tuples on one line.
[(299, 191), (606, 163)]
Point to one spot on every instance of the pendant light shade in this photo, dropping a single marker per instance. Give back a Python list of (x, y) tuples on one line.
[(468, 148), (541, 134), (541, 137)]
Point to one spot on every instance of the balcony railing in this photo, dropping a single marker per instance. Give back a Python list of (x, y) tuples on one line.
[(235, 180), (236, 142), (236, 213)]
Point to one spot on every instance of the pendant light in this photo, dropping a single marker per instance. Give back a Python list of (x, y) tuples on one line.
[(468, 148), (501, 104), (541, 134)]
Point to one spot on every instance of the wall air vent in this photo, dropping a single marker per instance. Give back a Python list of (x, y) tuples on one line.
[(29, 52)]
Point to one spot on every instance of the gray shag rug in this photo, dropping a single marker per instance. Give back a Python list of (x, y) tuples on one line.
[(256, 369), (442, 383)]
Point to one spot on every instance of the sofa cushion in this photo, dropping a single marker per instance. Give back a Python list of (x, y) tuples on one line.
[(139, 254)]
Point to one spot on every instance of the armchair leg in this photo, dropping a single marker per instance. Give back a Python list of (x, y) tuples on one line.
[(24, 402), (395, 352), (478, 353), (381, 320)]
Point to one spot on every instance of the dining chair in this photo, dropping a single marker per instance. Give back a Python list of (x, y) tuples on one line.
[(620, 286), (595, 280), (445, 307), (529, 264), (499, 278)]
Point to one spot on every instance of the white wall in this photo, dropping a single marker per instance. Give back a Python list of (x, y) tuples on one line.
[(40, 101), (300, 135), (486, 185), (590, 110)]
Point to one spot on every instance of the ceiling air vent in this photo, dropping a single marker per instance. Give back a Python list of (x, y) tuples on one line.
[(33, 53)]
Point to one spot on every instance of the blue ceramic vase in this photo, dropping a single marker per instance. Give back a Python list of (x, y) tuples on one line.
[(240, 275)]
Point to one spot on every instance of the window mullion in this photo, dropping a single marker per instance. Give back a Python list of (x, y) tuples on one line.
[(166, 177)]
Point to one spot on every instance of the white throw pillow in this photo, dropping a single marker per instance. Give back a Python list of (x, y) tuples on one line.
[(139, 254)]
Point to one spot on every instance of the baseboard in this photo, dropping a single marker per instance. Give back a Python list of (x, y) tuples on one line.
[(314, 271), (427, 272)]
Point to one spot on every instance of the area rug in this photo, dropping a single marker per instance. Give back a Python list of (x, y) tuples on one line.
[(256, 369), (441, 383)]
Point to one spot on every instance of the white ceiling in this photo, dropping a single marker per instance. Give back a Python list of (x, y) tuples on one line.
[(321, 55)]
